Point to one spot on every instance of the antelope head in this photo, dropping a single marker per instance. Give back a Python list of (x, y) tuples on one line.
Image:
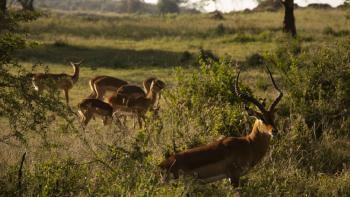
[(157, 85), (265, 117)]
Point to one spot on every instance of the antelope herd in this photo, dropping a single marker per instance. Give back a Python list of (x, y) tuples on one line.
[(126, 99), (230, 157)]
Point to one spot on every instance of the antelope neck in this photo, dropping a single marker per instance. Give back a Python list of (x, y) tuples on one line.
[(76, 73), (152, 96), (259, 141)]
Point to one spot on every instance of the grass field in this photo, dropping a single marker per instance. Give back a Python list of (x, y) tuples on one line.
[(159, 41), (134, 47)]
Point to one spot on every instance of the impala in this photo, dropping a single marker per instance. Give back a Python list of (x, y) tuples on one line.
[(136, 104), (89, 108), (126, 92), (230, 157), (133, 91), (61, 81), (147, 84), (102, 84)]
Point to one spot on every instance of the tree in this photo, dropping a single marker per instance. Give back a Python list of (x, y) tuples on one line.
[(131, 6), (27, 4), (289, 20), (3, 21), (168, 6), (3, 6), (21, 107)]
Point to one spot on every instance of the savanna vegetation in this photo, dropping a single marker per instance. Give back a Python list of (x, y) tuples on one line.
[(198, 57)]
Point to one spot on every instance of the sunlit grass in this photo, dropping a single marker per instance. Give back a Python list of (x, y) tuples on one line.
[(134, 47)]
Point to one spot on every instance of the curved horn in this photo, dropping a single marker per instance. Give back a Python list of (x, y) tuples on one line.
[(279, 97), (246, 97)]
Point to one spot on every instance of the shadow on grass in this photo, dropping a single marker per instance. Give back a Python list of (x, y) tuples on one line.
[(61, 53), (132, 28)]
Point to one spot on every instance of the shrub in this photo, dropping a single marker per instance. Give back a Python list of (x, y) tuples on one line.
[(168, 6), (318, 81), (220, 29), (131, 6), (21, 107), (329, 31), (205, 102), (206, 57), (58, 178), (254, 60), (242, 37), (60, 43), (185, 57)]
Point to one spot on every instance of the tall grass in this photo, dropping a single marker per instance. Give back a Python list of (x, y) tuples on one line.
[(198, 106)]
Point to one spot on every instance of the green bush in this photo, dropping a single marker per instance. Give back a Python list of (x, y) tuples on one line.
[(203, 104), (197, 110), (318, 82), (303, 161), (58, 178), (243, 38), (23, 108), (168, 6), (220, 29), (329, 31), (254, 60)]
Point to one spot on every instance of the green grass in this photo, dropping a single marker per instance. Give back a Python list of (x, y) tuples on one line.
[(111, 40), (134, 47)]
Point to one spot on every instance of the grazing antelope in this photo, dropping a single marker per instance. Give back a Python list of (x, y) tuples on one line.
[(230, 157), (89, 108), (136, 104), (101, 84), (135, 91), (61, 81), (125, 93), (131, 91), (147, 84)]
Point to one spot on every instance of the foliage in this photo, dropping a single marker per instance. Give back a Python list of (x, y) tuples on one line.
[(22, 107), (131, 6), (254, 60), (303, 159), (123, 6), (198, 109), (168, 6), (198, 106), (319, 86), (203, 104)]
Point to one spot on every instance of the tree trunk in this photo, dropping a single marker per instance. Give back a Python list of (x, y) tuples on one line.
[(2, 14), (289, 20), (27, 4), (2, 6)]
